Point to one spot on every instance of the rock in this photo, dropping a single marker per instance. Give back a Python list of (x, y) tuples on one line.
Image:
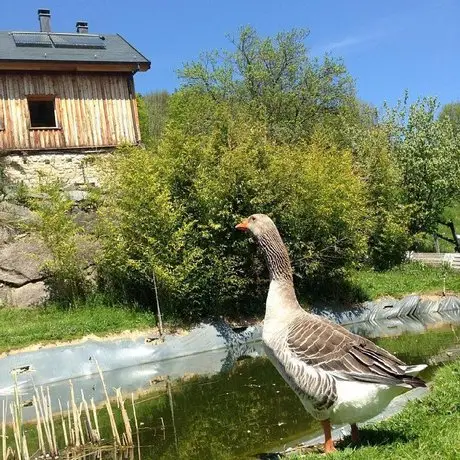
[(25, 296), (21, 261), (16, 215), (28, 295), (77, 195)]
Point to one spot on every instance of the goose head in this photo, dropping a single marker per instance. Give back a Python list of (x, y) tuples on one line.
[(269, 239), (260, 225)]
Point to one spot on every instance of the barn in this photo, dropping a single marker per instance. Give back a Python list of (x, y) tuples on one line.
[(64, 96)]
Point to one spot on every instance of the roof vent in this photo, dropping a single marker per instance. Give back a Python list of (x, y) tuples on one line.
[(44, 17), (82, 27)]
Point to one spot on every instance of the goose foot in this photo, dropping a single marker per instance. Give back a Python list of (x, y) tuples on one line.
[(328, 442), (354, 433)]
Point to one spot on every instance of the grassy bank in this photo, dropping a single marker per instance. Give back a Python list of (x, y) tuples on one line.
[(427, 429), (51, 323), (405, 279), (101, 316)]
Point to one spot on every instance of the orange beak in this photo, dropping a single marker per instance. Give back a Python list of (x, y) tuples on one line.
[(243, 226)]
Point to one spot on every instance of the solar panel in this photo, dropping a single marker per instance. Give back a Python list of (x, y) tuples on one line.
[(32, 39), (77, 41)]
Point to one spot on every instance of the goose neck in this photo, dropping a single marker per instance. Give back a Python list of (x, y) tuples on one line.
[(279, 265)]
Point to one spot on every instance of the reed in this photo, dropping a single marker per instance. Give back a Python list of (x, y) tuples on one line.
[(137, 427), (78, 442), (109, 408)]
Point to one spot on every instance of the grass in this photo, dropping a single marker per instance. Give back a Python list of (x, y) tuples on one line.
[(406, 279), (52, 323), (426, 429), (416, 348)]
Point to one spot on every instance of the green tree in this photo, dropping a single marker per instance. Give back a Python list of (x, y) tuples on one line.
[(283, 85), (156, 106), (451, 112), (426, 150), (388, 215)]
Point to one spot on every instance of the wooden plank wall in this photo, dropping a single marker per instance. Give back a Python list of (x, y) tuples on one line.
[(92, 110)]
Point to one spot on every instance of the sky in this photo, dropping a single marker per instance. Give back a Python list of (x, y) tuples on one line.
[(388, 46)]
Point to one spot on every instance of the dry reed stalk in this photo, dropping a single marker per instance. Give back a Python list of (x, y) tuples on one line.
[(137, 428), (96, 422), (16, 413), (109, 408), (4, 451), (69, 421), (64, 429), (124, 414), (25, 450), (76, 425), (51, 419), (171, 406), (163, 428), (41, 442), (79, 424), (89, 427), (40, 400), (16, 431)]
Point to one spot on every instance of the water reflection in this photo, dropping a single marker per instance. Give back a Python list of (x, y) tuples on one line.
[(219, 405), (244, 411)]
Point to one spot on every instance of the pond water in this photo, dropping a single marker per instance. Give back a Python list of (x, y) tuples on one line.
[(248, 409), (228, 405)]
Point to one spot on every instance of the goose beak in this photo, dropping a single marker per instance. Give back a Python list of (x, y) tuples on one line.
[(243, 226)]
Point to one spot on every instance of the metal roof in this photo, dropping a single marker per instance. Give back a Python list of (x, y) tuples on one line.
[(68, 47)]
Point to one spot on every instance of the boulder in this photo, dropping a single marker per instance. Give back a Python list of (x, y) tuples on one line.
[(29, 294), (21, 261)]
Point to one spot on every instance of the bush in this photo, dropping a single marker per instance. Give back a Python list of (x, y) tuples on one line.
[(173, 212), (64, 239)]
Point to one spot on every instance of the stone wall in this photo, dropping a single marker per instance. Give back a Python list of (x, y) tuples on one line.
[(75, 168)]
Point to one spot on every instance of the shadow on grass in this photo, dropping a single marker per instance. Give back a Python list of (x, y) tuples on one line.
[(337, 293), (368, 438), (375, 437)]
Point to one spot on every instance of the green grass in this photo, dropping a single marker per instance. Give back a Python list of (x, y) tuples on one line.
[(427, 429), (52, 323), (405, 279), (416, 348)]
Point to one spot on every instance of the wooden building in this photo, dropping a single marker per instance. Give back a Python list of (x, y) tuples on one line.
[(67, 91)]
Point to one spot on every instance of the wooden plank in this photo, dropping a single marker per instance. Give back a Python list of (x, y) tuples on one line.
[(93, 110)]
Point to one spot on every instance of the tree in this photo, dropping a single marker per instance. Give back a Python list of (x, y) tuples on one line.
[(156, 105), (426, 150), (278, 79), (451, 112)]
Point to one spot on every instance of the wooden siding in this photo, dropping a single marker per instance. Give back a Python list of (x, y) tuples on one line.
[(92, 110)]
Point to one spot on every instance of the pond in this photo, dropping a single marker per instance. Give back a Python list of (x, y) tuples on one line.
[(226, 406), (248, 409)]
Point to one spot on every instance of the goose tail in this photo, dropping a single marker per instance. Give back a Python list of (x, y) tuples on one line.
[(411, 373)]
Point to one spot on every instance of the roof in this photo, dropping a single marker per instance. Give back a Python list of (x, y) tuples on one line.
[(68, 47)]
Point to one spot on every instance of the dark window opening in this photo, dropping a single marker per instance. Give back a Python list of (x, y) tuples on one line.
[(42, 113)]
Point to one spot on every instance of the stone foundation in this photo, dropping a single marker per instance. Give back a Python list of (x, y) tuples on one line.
[(75, 168)]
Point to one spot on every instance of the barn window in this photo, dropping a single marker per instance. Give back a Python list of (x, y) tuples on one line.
[(42, 112)]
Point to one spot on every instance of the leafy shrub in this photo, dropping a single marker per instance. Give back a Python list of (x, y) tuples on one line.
[(64, 239), (173, 212)]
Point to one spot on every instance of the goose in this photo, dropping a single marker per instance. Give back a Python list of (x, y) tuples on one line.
[(339, 377)]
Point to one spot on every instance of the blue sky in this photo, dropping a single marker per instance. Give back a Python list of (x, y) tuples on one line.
[(388, 46)]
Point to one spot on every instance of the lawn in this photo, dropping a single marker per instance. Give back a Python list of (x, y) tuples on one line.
[(426, 429), (405, 279), (51, 323)]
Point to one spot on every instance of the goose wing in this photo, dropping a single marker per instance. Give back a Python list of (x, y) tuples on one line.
[(327, 346)]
